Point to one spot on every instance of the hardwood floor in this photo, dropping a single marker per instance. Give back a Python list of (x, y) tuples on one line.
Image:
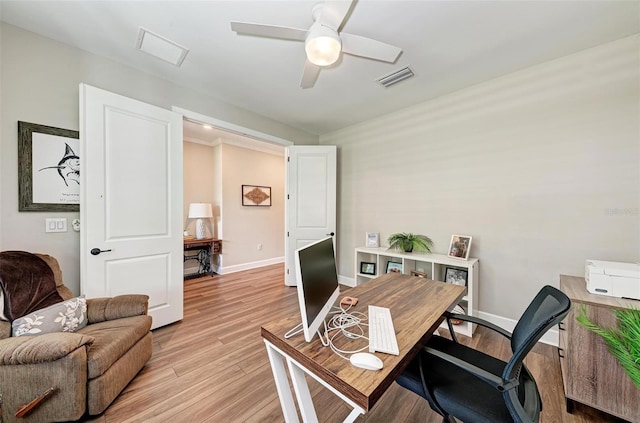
[(213, 367)]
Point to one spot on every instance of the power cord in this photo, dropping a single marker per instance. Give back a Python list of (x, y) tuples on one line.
[(347, 324)]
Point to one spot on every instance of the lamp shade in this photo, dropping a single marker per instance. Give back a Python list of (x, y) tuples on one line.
[(323, 45), (200, 210)]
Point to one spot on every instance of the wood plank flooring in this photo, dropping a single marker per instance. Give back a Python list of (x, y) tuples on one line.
[(213, 367)]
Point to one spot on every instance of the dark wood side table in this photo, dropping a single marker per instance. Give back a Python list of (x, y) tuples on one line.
[(201, 250)]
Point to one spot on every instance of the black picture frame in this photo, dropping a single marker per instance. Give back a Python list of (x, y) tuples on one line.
[(25, 167), (367, 268), (256, 195), (456, 276), (394, 267)]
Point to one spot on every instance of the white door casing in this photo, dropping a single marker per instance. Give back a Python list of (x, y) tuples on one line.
[(310, 210), (131, 201)]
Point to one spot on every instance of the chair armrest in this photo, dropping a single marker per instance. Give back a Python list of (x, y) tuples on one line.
[(494, 380), (478, 321), (5, 329), (41, 348), (103, 309)]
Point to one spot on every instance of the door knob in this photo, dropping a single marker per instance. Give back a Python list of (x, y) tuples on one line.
[(96, 251), (331, 234)]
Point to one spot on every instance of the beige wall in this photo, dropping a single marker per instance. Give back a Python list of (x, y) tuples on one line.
[(199, 175), (39, 80), (541, 167), (245, 227), (215, 174)]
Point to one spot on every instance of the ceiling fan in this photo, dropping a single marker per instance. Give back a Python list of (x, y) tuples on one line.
[(324, 41)]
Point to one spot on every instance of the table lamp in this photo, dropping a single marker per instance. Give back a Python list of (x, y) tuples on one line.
[(200, 211)]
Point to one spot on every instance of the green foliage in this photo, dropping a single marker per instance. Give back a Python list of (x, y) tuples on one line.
[(623, 341), (408, 242)]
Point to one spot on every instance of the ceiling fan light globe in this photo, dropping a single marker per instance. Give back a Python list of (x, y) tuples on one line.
[(323, 46)]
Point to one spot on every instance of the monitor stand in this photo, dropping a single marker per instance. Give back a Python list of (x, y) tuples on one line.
[(298, 329), (293, 331)]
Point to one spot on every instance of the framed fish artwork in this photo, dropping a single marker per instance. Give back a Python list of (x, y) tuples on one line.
[(48, 168)]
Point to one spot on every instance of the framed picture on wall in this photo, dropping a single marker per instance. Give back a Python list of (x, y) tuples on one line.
[(255, 195), (48, 168), (460, 246)]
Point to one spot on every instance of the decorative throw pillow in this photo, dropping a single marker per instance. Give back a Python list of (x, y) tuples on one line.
[(67, 316)]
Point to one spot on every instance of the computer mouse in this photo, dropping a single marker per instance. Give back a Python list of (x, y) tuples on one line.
[(366, 361)]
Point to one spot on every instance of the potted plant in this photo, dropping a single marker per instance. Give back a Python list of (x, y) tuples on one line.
[(408, 242), (623, 342)]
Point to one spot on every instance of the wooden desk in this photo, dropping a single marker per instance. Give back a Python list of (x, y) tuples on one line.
[(416, 305), (204, 247)]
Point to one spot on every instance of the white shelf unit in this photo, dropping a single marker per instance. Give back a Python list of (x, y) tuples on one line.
[(433, 265)]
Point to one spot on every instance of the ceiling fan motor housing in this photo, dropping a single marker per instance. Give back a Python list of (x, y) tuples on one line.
[(322, 45)]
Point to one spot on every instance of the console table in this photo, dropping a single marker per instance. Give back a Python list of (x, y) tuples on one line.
[(590, 373), (201, 250)]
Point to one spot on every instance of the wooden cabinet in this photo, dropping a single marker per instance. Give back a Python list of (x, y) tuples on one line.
[(590, 373), (431, 266)]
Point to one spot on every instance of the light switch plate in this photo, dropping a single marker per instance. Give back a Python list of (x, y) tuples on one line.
[(55, 225)]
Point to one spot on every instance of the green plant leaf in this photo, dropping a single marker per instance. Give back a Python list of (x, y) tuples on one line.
[(623, 342), (405, 241)]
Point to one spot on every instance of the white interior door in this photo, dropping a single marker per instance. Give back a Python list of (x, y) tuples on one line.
[(131, 202), (310, 210)]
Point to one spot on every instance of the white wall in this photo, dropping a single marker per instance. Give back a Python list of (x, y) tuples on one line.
[(39, 80), (541, 167)]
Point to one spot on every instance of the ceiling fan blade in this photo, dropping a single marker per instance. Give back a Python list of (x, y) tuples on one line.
[(334, 12), (309, 75), (371, 49), (271, 31)]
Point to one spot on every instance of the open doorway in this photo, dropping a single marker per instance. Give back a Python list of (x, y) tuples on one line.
[(217, 163)]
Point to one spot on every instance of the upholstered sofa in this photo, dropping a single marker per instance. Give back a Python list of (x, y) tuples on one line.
[(89, 367)]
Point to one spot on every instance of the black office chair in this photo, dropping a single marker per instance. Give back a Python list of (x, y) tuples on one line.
[(464, 383)]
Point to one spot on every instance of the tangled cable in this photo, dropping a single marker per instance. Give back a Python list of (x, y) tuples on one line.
[(345, 323)]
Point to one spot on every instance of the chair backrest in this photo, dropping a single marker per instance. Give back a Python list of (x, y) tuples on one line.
[(547, 309)]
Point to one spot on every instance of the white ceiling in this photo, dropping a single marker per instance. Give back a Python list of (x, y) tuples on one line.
[(448, 44)]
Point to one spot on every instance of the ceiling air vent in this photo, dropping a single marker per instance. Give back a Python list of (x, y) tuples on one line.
[(395, 77), (161, 47)]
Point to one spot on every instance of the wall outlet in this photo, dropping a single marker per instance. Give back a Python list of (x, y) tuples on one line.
[(259, 246)]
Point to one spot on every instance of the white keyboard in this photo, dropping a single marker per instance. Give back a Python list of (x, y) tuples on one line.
[(382, 335)]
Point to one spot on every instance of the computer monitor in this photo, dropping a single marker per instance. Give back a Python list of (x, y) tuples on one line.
[(317, 280)]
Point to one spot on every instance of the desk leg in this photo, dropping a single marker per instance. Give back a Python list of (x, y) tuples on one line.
[(282, 385), (302, 393), (305, 402)]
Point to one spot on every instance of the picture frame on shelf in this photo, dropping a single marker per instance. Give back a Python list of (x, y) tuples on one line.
[(372, 240), (394, 267), (456, 276), (367, 268), (460, 246), (419, 274)]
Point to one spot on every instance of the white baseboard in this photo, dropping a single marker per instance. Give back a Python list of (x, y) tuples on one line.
[(246, 266), (343, 280)]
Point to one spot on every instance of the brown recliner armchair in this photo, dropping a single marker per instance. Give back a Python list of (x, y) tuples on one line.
[(89, 367)]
